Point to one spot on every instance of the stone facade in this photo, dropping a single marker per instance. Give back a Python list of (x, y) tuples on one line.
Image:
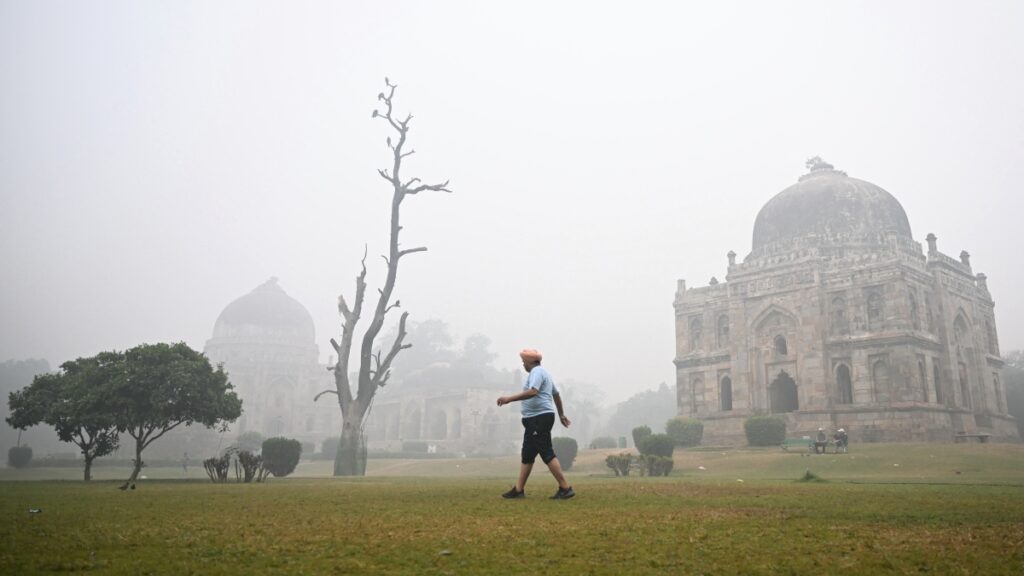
[(838, 319)]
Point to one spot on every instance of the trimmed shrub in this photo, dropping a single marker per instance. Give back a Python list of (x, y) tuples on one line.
[(249, 467), (685, 431), (329, 448), (602, 442), (19, 456), (651, 465), (657, 445), (765, 430), (619, 463), (639, 433), (217, 468), (416, 446), (566, 450), (281, 455), (249, 442)]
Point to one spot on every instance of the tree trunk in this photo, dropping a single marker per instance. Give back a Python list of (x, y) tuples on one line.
[(137, 466), (88, 467), (350, 460)]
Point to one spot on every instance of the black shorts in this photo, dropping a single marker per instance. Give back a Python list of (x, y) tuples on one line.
[(537, 438)]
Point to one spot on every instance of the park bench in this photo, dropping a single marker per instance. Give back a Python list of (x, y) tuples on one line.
[(798, 444), (983, 438)]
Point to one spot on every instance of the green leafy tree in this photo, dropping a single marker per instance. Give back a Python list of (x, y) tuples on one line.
[(76, 402), (685, 431), (281, 455), (165, 386)]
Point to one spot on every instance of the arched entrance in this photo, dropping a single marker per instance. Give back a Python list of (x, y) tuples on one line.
[(782, 394)]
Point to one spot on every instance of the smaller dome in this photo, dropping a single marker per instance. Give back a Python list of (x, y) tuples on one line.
[(266, 313)]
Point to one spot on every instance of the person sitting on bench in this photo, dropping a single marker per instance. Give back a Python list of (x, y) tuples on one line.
[(820, 442), (841, 440)]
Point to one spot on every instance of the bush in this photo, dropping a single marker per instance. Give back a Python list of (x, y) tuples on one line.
[(249, 467), (329, 448), (602, 442), (416, 446), (619, 463), (19, 456), (639, 433), (657, 445), (652, 465), (217, 468), (281, 455), (249, 442), (566, 450), (765, 430), (685, 431)]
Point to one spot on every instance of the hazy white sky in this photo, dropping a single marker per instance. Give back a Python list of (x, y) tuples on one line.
[(160, 159)]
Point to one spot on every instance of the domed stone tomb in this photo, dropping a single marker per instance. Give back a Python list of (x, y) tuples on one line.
[(837, 318)]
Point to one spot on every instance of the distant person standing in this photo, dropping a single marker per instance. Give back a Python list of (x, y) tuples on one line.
[(540, 399)]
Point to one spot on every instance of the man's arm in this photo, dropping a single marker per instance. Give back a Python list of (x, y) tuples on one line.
[(561, 413), (528, 393)]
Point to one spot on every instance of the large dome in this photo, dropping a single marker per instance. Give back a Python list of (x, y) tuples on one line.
[(266, 313), (831, 206)]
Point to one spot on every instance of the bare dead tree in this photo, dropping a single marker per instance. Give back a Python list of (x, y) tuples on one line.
[(374, 367)]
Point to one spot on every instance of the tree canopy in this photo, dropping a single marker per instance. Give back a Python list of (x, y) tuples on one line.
[(76, 402), (165, 386)]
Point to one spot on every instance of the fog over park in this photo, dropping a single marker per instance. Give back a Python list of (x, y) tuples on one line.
[(160, 159)]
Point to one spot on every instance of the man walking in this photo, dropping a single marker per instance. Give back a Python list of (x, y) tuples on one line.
[(540, 399)]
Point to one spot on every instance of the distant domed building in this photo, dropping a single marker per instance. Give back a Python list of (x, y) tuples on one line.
[(267, 343), (838, 319)]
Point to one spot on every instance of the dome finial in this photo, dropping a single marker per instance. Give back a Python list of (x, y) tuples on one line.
[(816, 163)]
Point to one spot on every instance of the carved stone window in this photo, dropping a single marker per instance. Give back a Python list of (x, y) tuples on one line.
[(723, 330), (839, 324), (960, 331), (696, 333), (844, 384), (965, 387), (876, 311), (725, 394), (880, 379), (781, 349), (937, 381)]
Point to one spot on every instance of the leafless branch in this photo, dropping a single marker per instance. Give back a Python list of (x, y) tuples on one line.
[(317, 397), (412, 250), (430, 187)]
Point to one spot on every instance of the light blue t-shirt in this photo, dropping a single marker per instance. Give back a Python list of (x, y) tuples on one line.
[(543, 402)]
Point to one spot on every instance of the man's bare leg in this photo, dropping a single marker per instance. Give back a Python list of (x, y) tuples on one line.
[(556, 470), (524, 475)]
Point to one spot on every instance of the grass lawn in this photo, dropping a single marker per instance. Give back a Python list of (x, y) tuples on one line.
[(446, 516)]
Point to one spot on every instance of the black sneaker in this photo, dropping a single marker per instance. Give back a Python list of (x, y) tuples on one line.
[(564, 494), (513, 493)]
